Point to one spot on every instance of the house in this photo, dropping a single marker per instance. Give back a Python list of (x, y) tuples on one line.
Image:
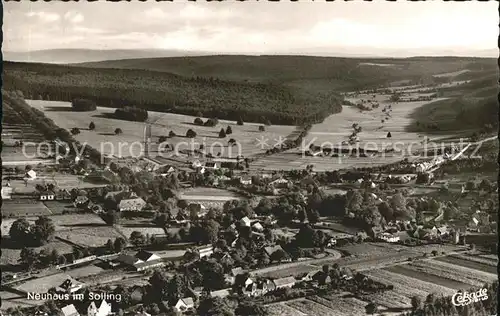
[(63, 195), (101, 308), (322, 278), (284, 282), (69, 286), (258, 226), (146, 256), (30, 175), (69, 310), (197, 210), (134, 204), (280, 183), (196, 164), (81, 201), (272, 249), (184, 304), (231, 278), (245, 180), (388, 237), (143, 260), (205, 251), (245, 221), (308, 276), (211, 165), (6, 193), (165, 170)]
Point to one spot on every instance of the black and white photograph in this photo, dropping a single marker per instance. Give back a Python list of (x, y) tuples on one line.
[(249, 158)]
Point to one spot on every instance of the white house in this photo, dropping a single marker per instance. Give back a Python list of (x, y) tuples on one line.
[(69, 286), (387, 237), (211, 165), (47, 196), (245, 221), (184, 304), (70, 310), (246, 180), (258, 226), (284, 282), (30, 175), (6, 193), (101, 308)]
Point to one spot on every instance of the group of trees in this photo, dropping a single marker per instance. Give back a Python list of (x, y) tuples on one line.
[(83, 105), (211, 122), (25, 234), (130, 113)]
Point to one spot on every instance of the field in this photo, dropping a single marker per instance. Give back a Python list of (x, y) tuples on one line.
[(151, 230), (19, 208), (207, 194), (89, 236), (11, 256), (336, 128), (131, 140)]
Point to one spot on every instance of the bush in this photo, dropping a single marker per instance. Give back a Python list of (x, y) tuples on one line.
[(229, 130), (75, 131), (91, 126), (162, 139), (131, 114), (262, 128), (190, 133), (198, 121), (118, 131), (172, 134), (239, 122), (212, 122), (83, 105)]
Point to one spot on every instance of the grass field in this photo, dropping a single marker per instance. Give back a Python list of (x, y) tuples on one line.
[(11, 256), (89, 236), (17, 208), (207, 194), (104, 139), (151, 230)]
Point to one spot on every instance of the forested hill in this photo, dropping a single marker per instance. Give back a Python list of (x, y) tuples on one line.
[(160, 91), (351, 72)]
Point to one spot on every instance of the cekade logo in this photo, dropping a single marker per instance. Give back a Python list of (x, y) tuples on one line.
[(466, 298)]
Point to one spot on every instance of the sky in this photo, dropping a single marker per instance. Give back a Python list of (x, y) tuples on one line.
[(253, 27)]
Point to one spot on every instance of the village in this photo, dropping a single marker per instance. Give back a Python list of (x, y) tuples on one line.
[(213, 226)]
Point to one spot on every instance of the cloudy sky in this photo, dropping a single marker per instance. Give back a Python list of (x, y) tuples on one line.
[(252, 27)]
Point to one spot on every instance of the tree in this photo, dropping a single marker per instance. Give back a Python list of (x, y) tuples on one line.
[(211, 122), (54, 256), (110, 247), (222, 133), (91, 126), (119, 244), (198, 121), (278, 256), (416, 303), (371, 308), (75, 131), (137, 238), (43, 230), (229, 130), (77, 253), (159, 286), (486, 185), (112, 217), (118, 131), (171, 134), (190, 133), (240, 122), (176, 288), (162, 139), (215, 306), (29, 258), (262, 128), (61, 260), (470, 186), (20, 231)]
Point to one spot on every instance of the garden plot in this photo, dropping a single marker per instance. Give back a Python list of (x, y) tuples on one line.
[(468, 268), (340, 305), (282, 309), (467, 264), (427, 275), (103, 138), (451, 272), (491, 261), (408, 286), (309, 307)]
